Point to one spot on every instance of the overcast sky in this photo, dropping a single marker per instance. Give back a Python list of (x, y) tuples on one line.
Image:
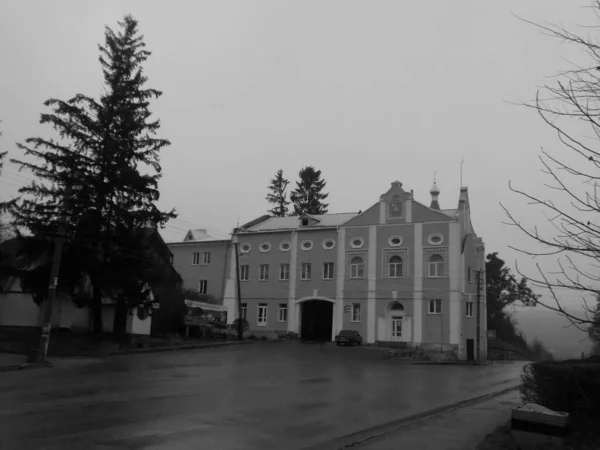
[(367, 91)]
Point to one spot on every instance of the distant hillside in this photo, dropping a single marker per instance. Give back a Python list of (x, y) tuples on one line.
[(555, 331)]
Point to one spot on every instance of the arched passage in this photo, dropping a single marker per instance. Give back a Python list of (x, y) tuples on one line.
[(316, 319)]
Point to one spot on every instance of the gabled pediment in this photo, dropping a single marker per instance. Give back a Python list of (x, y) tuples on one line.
[(306, 220)]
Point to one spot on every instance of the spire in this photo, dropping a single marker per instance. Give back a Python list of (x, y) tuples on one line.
[(434, 191)]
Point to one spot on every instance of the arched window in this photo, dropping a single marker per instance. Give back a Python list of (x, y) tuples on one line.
[(436, 266), (395, 270), (357, 267)]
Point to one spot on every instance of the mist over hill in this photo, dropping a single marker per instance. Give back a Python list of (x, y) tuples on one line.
[(556, 332)]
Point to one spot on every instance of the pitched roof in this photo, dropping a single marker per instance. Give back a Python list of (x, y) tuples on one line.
[(201, 234), (293, 222)]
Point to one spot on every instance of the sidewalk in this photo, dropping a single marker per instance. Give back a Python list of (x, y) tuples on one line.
[(13, 361), (458, 429)]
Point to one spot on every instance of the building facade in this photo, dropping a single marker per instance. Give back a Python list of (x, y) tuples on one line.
[(400, 271)]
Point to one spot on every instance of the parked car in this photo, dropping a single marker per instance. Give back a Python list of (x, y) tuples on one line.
[(348, 337)]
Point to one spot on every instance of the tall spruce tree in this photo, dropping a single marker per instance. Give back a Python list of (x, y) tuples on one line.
[(108, 159), (278, 195), (308, 197)]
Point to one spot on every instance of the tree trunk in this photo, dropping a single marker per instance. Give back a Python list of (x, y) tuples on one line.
[(97, 327), (120, 320)]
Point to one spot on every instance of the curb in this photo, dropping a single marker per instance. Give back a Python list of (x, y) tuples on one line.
[(177, 347), (360, 437), (13, 367)]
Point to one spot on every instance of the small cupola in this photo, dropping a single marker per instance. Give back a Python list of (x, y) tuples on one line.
[(435, 192)]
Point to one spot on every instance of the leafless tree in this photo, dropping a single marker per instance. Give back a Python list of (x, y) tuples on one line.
[(570, 104)]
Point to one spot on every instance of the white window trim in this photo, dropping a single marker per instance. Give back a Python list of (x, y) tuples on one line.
[(427, 254), (469, 302), (244, 311), (355, 306), (281, 244), (325, 241), (245, 244), (437, 264), (390, 264), (281, 309), (262, 250), (351, 268), (306, 242), (391, 244), (195, 261), (433, 302), (332, 270), (361, 245), (262, 323), (433, 235), (260, 272), (205, 287), (205, 258), (247, 266), (302, 271), (288, 271)]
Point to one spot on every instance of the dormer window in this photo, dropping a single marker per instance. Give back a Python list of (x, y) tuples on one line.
[(304, 221)]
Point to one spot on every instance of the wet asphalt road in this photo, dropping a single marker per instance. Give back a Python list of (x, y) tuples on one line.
[(264, 396)]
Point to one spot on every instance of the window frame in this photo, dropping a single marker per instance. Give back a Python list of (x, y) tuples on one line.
[(332, 274), (302, 271), (263, 275), (395, 265), (244, 308), (469, 308), (286, 272), (469, 274), (360, 267), (200, 284), (245, 272), (355, 313), (262, 307), (283, 308), (195, 258), (439, 265), (206, 259), (435, 302)]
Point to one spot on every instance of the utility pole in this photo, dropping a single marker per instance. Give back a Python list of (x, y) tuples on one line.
[(478, 274), (239, 291), (53, 284)]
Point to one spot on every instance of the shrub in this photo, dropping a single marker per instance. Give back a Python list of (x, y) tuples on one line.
[(571, 386)]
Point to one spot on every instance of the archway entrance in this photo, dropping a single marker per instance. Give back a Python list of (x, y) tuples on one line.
[(397, 318), (316, 320)]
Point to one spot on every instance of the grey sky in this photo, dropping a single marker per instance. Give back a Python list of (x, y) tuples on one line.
[(366, 91)]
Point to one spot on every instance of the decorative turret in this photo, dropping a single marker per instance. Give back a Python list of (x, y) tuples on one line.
[(434, 191)]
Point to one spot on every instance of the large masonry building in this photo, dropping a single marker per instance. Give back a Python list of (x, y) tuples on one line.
[(399, 271)]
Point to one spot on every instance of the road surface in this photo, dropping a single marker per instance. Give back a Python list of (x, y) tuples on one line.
[(286, 395)]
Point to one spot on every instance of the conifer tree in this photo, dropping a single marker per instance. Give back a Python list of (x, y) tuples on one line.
[(278, 195), (107, 157), (308, 197)]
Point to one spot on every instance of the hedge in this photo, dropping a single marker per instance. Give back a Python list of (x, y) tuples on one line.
[(571, 386)]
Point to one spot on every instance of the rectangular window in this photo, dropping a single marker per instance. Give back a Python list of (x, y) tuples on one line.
[(469, 309), (244, 272), (261, 318), (244, 309), (202, 286), (469, 275), (355, 312), (195, 258), (436, 268), (305, 271), (264, 272), (328, 271), (284, 271), (435, 306), (206, 260), (282, 316)]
